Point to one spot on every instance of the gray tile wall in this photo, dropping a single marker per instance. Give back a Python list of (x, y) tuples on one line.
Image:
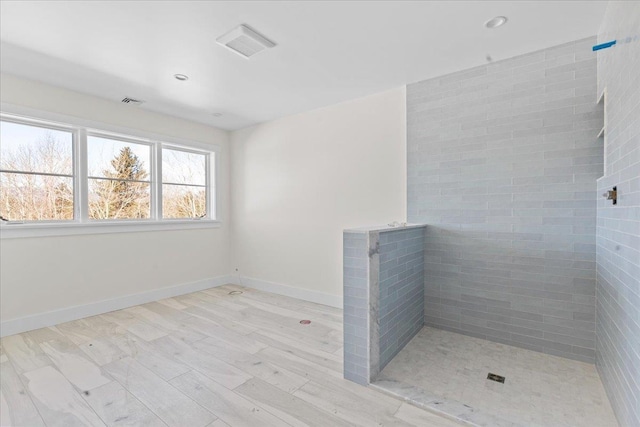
[(401, 287), (618, 228), (383, 274), (356, 307), (502, 165)]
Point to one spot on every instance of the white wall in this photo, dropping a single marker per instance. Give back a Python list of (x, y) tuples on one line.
[(297, 182), (43, 274)]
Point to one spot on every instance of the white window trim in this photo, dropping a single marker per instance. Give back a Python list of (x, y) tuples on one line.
[(81, 224), (68, 228), (210, 179)]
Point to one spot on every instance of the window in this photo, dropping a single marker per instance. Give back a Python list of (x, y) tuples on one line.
[(184, 184), (36, 173), (119, 179), (54, 175)]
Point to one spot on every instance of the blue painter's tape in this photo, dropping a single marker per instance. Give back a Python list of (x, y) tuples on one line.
[(603, 45)]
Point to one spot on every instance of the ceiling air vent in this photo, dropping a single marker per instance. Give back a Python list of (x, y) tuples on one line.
[(244, 41), (131, 101)]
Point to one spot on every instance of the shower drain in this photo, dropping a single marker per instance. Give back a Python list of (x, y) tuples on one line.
[(495, 377)]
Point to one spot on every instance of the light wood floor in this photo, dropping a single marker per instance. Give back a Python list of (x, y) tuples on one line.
[(203, 359)]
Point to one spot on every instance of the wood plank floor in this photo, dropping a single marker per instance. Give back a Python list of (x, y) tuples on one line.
[(202, 359)]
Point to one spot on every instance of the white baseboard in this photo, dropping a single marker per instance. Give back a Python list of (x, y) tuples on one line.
[(50, 318), (37, 321), (289, 291)]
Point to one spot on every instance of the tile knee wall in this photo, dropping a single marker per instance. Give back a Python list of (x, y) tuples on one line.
[(383, 297)]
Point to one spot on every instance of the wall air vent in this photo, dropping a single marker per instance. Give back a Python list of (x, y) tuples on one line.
[(244, 41), (131, 101)]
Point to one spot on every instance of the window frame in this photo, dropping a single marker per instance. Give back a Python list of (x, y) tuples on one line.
[(210, 180), (86, 178), (81, 223), (45, 124)]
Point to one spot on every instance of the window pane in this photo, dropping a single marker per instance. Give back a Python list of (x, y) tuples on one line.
[(183, 201), (110, 158), (35, 197), (29, 148), (114, 199), (181, 167)]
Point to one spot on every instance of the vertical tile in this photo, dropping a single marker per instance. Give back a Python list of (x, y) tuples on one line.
[(356, 307)]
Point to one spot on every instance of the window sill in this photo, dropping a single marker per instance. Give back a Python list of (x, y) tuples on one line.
[(15, 231)]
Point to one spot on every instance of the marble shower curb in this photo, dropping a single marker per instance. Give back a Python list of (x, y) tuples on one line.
[(447, 408)]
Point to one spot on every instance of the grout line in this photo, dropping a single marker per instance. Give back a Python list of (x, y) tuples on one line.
[(26, 389)]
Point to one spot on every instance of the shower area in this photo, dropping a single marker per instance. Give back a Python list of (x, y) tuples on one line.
[(483, 308)]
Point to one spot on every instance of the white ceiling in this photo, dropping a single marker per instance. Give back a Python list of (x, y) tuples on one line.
[(326, 52)]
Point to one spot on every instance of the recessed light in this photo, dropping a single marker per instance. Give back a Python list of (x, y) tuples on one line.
[(496, 22), (181, 77)]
